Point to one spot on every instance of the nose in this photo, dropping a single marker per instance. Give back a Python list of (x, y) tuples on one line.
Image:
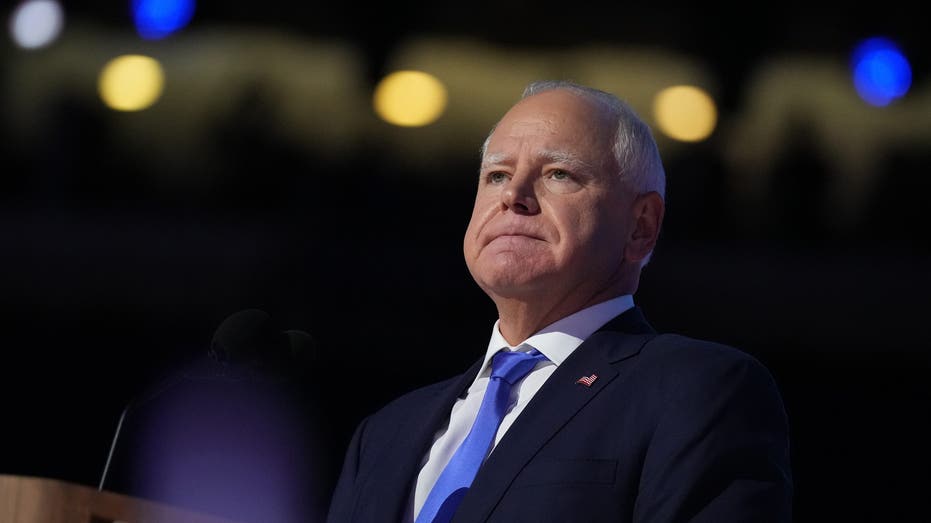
[(519, 196)]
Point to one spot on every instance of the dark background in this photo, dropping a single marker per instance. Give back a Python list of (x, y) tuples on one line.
[(110, 280)]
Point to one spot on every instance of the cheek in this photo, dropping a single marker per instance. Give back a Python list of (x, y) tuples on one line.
[(480, 215), (470, 243), (609, 235), (574, 225), (585, 232)]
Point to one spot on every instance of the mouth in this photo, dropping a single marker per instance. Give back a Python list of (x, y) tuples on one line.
[(517, 235), (514, 236), (512, 231)]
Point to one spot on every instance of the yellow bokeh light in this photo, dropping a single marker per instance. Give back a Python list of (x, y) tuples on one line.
[(410, 98), (685, 113), (131, 82)]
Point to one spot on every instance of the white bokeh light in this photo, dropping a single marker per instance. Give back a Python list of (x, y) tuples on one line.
[(36, 23)]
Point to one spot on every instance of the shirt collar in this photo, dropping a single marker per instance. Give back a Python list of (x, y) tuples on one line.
[(559, 339)]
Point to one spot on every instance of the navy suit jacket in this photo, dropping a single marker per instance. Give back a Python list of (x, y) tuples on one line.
[(672, 429)]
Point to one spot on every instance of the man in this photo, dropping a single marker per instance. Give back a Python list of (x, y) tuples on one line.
[(613, 422)]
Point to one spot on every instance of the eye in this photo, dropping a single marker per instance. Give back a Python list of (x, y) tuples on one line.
[(496, 177), (560, 181)]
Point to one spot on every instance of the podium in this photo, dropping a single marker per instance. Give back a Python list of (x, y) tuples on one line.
[(25, 499)]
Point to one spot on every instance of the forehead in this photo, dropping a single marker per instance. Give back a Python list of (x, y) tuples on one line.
[(556, 120)]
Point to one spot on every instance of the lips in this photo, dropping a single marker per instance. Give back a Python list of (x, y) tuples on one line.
[(516, 235), (512, 231)]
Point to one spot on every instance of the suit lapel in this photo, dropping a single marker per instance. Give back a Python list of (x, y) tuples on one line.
[(560, 398), (389, 487)]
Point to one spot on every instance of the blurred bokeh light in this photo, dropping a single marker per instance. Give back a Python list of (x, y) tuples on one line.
[(131, 82), (36, 23), (159, 18), (410, 98), (685, 113), (881, 72)]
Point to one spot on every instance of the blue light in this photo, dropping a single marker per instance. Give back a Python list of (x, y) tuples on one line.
[(159, 18), (881, 72)]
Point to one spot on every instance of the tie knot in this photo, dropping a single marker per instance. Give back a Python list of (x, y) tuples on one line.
[(512, 366)]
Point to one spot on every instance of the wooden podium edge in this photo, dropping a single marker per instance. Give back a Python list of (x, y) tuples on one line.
[(30, 499)]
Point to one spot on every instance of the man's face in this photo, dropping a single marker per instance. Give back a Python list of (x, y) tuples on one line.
[(551, 215)]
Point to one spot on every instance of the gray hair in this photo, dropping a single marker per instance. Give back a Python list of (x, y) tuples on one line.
[(635, 150)]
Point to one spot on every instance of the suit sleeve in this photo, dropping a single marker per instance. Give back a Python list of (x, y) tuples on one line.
[(720, 450)]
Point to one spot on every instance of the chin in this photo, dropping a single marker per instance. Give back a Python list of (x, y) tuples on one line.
[(511, 274), (512, 285)]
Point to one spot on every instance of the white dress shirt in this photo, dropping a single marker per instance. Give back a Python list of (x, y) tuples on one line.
[(556, 341)]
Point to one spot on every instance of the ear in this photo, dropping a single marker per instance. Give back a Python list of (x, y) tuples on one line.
[(647, 218)]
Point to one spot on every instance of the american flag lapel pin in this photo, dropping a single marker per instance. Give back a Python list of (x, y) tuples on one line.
[(587, 380)]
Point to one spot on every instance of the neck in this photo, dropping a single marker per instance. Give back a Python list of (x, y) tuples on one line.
[(524, 311), (520, 319)]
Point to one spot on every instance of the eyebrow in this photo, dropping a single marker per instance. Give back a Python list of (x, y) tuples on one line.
[(550, 155)]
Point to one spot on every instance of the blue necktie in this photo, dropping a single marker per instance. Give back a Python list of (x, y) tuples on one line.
[(507, 368)]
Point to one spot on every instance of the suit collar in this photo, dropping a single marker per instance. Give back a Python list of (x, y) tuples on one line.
[(560, 338), (637, 330), (560, 398)]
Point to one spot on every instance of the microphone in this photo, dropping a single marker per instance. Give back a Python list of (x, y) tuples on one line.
[(250, 340), (248, 348)]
